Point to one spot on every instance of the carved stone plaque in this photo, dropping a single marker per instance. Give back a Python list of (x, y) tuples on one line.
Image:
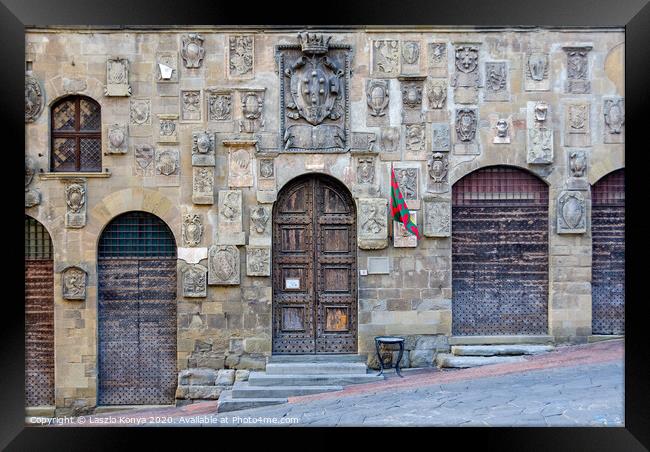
[(252, 105), (219, 105), (437, 171), (466, 79), (377, 99), (117, 77), (203, 148), (167, 169), (75, 199), (402, 238), (466, 125), (437, 59), (192, 230), (415, 141), (34, 99), (577, 129), (258, 260), (496, 81), (614, 117), (191, 105), (410, 57), (407, 176), (168, 128), (389, 143), (203, 185), (577, 164), (223, 265), (117, 139), (192, 50), (536, 72), (143, 160), (260, 225), (240, 162), (166, 67), (314, 98), (440, 139), (32, 196), (501, 132), (385, 58), (194, 281), (437, 218), (140, 111), (412, 88), (571, 213), (266, 174), (437, 99), (540, 145), (230, 218), (372, 223), (578, 70), (73, 283), (241, 52)]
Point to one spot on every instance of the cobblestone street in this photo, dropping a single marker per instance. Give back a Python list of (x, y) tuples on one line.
[(572, 386)]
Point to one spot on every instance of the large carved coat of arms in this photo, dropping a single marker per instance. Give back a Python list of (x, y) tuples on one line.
[(314, 99)]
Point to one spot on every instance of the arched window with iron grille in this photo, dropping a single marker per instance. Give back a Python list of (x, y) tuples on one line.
[(76, 141)]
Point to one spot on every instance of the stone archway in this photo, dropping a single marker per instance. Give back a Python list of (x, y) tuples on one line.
[(314, 267)]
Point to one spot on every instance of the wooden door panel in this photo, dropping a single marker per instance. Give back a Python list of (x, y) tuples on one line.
[(314, 268)]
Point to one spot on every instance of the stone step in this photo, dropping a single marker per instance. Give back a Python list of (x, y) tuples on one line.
[(500, 350), (449, 360), (245, 390), (264, 379), (490, 340), (228, 403), (318, 368), (348, 358)]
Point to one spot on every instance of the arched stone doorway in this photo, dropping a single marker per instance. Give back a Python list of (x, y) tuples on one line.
[(136, 311), (39, 315), (608, 254), (499, 253), (314, 267)]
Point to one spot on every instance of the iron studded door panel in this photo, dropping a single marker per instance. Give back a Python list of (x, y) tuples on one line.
[(335, 266), (39, 332), (137, 331), (500, 254), (314, 265), (293, 268), (608, 256)]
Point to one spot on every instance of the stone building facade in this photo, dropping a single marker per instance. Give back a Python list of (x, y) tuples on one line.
[(205, 130)]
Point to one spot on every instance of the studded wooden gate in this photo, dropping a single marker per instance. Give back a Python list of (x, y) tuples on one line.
[(499, 253), (314, 268), (137, 311), (608, 256), (39, 315)]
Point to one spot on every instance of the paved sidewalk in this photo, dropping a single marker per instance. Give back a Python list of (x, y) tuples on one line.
[(572, 386)]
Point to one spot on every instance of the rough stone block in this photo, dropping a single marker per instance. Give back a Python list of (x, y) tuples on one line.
[(201, 377), (225, 377), (422, 358)]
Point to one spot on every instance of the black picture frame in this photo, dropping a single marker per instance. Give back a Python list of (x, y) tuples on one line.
[(634, 15)]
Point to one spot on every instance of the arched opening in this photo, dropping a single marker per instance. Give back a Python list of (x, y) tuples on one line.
[(499, 253), (76, 134), (314, 267), (39, 315), (136, 279), (608, 254)]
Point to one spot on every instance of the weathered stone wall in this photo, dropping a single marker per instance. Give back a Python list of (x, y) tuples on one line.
[(231, 326)]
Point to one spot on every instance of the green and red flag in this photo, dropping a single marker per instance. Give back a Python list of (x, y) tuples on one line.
[(398, 209)]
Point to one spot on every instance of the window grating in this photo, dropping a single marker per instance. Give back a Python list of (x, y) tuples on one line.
[(137, 235), (76, 135), (610, 190), (493, 185), (38, 244)]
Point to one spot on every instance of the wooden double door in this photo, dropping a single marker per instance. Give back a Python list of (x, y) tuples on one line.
[(314, 268)]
